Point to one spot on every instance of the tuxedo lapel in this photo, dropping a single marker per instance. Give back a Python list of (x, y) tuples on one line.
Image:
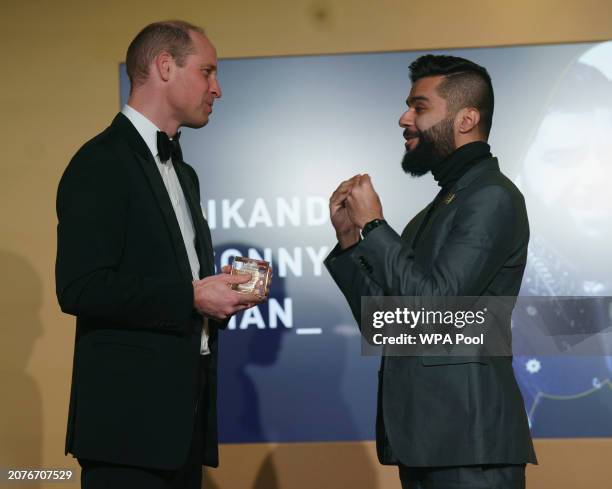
[(203, 241), (156, 183), (149, 167)]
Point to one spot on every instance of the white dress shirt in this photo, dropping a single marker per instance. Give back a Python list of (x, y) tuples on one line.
[(148, 132)]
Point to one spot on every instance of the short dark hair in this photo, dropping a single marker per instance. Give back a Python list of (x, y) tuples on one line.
[(172, 36), (466, 84)]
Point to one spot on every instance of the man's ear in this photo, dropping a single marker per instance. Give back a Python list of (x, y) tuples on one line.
[(164, 65), (467, 120)]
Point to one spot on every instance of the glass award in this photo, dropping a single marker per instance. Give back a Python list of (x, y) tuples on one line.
[(260, 275)]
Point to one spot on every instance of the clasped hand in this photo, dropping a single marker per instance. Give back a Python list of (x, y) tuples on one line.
[(213, 296), (353, 204)]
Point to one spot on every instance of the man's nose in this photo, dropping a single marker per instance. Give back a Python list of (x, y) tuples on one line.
[(406, 120), (215, 88)]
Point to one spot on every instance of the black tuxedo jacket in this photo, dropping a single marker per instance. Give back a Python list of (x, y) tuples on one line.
[(445, 410), (123, 271)]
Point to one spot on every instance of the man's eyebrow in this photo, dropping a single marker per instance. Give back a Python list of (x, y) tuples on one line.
[(416, 98), (209, 67)]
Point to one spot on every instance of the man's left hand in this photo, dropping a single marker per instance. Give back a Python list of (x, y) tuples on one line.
[(363, 204)]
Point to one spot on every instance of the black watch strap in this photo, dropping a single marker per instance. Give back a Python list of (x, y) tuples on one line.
[(373, 224)]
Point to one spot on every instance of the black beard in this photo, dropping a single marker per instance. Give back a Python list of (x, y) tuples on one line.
[(435, 144)]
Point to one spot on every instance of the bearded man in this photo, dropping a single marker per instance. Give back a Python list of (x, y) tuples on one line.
[(447, 422)]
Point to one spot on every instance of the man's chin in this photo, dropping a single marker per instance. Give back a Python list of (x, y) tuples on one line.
[(196, 124), (413, 165)]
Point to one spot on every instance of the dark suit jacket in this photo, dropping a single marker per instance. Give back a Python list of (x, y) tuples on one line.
[(123, 271), (447, 411)]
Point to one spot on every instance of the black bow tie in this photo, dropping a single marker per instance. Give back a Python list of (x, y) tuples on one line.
[(169, 148)]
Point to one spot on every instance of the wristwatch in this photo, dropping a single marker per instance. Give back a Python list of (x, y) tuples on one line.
[(371, 225)]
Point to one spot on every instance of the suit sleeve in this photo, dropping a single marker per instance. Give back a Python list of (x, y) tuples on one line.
[(488, 227), (92, 206), (351, 278)]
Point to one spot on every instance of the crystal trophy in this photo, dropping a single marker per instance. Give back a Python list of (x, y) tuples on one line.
[(260, 275)]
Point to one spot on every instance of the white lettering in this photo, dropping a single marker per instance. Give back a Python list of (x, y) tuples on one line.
[(227, 254), (252, 316), (283, 210), (314, 204), (211, 214), (415, 318), (260, 214), (229, 212), (285, 261), (277, 315), (254, 254), (285, 313), (317, 258)]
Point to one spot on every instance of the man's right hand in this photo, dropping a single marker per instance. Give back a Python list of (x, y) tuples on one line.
[(347, 232), (213, 297)]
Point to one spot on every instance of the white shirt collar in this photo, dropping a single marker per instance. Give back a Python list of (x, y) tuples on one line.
[(146, 129)]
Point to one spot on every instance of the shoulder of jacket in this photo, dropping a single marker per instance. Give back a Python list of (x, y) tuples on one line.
[(107, 147), (101, 158), (494, 182)]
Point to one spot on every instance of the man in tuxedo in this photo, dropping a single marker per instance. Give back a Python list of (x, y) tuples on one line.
[(446, 421), (135, 266)]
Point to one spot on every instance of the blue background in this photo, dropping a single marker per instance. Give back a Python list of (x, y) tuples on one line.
[(294, 127)]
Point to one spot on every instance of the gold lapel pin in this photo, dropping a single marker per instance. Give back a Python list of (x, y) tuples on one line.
[(449, 198)]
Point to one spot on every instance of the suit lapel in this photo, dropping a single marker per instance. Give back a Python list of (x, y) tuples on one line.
[(442, 202), (156, 183), (434, 209), (410, 231), (149, 167), (203, 241)]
